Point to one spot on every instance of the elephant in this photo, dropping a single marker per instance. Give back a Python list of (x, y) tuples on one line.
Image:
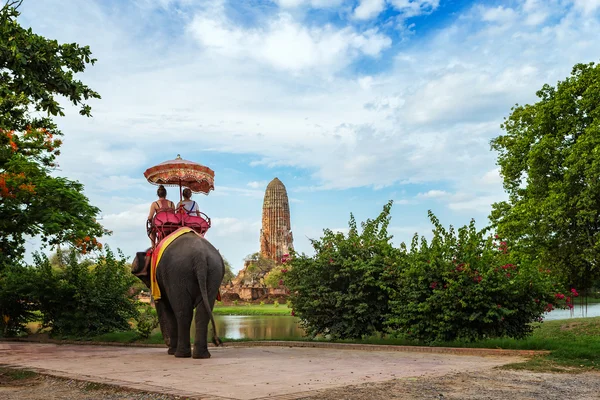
[(189, 275)]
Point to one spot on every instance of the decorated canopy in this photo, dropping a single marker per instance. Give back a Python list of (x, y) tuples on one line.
[(182, 173)]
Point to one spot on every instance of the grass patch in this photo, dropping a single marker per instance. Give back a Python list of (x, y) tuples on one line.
[(573, 343), (12, 375), (253, 309)]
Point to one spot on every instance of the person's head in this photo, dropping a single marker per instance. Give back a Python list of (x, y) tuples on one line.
[(161, 192), (187, 193)]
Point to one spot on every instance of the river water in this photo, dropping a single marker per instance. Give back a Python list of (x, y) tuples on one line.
[(287, 327)]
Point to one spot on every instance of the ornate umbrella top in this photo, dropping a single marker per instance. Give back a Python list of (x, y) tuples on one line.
[(180, 172)]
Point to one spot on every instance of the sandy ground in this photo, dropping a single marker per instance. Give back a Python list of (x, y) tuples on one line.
[(280, 373), (490, 385)]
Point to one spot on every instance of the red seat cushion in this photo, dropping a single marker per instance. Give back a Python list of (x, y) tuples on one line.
[(195, 222), (166, 217)]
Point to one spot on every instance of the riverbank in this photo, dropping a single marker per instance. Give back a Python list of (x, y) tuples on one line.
[(573, 344), (253, 309)]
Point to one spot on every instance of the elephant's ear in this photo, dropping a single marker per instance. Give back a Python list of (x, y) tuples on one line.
[(140, 258)]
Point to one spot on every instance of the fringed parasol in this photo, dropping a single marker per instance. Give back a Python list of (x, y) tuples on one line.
[(182, 173)]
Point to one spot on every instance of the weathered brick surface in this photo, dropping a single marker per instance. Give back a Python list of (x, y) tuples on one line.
[(276, 236)]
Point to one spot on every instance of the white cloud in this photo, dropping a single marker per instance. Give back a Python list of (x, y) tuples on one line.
[(257, 184), (230, 227), (366, 82), (275, 94), (536, 11), (475, 204), (492, 177), (412, 8), (368, 9), (310, 3), (587, 6), (284, 43), (499, 14), (433, 194)]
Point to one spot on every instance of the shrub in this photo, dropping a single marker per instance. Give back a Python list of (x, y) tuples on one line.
[(262, 303), (342, 290), (235, 302), (467, 286), (85, 299), (276, 303), (18, 299), (147, 320), (275, 277)]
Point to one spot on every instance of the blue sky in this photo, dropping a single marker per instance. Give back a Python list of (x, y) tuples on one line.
[(350, 103)]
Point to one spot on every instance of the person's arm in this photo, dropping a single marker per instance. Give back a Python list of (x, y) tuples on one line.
[(152, 211)]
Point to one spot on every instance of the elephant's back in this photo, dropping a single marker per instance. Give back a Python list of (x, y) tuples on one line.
[(177, 270)]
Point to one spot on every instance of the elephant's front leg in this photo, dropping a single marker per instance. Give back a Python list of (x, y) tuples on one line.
[(201, 339), (184, 322), (168, 324)]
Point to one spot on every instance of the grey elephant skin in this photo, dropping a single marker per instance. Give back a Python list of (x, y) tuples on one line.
[(189, 275)]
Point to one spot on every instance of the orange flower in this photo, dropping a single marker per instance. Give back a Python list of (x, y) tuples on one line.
[(86, 239)]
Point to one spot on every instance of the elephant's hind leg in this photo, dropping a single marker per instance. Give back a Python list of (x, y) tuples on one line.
[(184, 322), (168, 324), (200, 341)]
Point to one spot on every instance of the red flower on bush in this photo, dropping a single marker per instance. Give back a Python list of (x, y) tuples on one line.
[(559, 296), (433, 285), (574, 291)]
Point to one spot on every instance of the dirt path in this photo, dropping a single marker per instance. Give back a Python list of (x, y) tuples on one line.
[(489, 385)]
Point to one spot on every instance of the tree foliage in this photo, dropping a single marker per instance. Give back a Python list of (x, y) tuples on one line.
[(466, 285), (83, 300), (462, 285), (229, 275), (257, 267), (80, 298), (34, 72), (343, 290), (549, 158)]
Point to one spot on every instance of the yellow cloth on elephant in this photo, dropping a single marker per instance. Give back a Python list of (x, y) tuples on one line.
[(157, 254)]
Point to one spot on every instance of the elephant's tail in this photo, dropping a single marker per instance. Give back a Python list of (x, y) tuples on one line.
[(204, 293)]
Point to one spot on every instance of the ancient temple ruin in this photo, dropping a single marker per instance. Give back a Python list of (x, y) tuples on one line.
[(276, 240), (276, 236)]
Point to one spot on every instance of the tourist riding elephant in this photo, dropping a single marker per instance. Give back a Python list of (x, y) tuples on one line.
[(189, 275)]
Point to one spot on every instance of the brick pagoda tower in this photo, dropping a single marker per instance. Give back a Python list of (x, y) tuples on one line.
[(276, 236)]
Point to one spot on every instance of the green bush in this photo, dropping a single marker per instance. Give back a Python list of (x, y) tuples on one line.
[(146, 320), (463, 285), (18, 299), (235, 302), (85, 299), (262, 303), (467, 286), (342, 290), (276, 303)]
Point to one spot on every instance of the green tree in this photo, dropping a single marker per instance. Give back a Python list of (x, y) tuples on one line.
[(549, 158), (466, 285), (229, 275), (257, 267), (343, 290), (276, 277), (86, 300), (34, 72)]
